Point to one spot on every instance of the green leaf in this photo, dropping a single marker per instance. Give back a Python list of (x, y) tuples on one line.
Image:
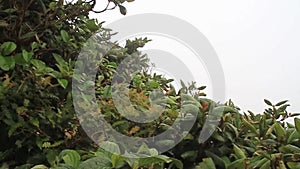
[(123, 10), (238, 164), (35, 122), (280, 132), (103, 153), (270, 130), (70, 157), (206, 163), (165, 142), (10, 62), (219, 162), (63, 83), (266, 165), (59, 59), (154, 160), (7, 63), (259, 163), (20, 60), (294, 165), (189, 108), (26, 55), (40, 65), (170, 101), (7, 48), (153, 152), (187, 99), (297, 124), (52, 5), (189, 155), (34, 45), (65, 36), (40, 167), (268, 102), (153, 84), (117, 161), (281, 103), (218, 137), (92, 25), (2, 61), (107, 91), (188, 136), (295, 135), (233, 128), (28, 35), (289, 149), (177, 163), (144, 149), (201, 87), (249, 126), (96, 163), (228, 109), (238, 152), (111, 147), (282, 108), (4, 67)]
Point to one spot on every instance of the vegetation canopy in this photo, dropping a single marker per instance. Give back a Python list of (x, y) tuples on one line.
[(39, 44)]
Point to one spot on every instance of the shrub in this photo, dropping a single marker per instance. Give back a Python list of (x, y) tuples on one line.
[(40, 41)]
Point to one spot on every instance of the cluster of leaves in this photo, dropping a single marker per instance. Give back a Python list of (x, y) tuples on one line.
[(144, 158), (240, 141), (40, 40), (247, 141)]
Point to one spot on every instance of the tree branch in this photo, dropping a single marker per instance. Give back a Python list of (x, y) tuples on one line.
[(107, 7)]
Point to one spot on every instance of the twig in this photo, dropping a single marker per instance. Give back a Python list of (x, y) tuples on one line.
[(106, 8)]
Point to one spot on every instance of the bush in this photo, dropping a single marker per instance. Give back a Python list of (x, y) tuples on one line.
[(40, 41)]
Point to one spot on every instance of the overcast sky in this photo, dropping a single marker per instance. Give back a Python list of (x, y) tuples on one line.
[(258, 43)]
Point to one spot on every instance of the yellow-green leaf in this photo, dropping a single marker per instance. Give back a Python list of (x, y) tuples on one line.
[(297, 124), (280, 132), (238, 164), (7, 48), (238, 152), (63, 83), (249, 126), (206, 163), (64, 36)]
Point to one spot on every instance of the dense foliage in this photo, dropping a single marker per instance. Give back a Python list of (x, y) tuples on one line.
[(40, 41)]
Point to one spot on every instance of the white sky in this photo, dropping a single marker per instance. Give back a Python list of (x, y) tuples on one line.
[(258, 43)]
